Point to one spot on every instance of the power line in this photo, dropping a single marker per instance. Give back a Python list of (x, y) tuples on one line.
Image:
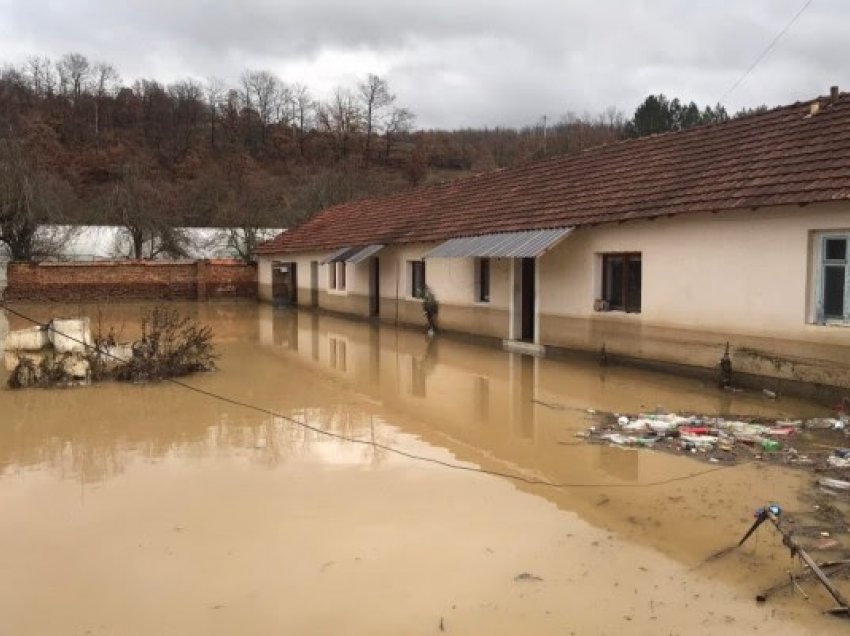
[(767, 50), (533, 481)]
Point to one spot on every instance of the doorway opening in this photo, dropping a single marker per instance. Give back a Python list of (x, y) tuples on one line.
[(284, 283), (314, 284), (374, 287), (527, 299)]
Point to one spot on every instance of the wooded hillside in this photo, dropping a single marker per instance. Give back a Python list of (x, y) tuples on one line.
[(77, 145)]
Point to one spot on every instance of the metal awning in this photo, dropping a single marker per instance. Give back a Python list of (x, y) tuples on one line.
[(336, 256), (364, 253), (528, 244), (352, 254)]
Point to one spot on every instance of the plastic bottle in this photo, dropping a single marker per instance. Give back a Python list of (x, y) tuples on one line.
[(770, 445)]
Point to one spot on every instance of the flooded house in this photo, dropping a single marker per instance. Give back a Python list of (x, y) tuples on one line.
[(662, 249)]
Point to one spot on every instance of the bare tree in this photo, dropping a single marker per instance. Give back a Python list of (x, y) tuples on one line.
[(29, 200), (399, 121), (301, 105), (187, 98), (141, 208), (340, 117), (262, 90), (215, 91), (246, 203), (74, 72), (106, 81), (374, 96), (39, 69)]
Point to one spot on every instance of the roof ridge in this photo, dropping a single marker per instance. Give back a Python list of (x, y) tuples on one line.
[(781, 155)]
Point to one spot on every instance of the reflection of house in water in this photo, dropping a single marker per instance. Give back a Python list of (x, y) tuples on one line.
[(478, 395), (504, 406), (523, 371)]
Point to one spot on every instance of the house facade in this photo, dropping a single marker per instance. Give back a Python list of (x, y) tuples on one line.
[(661, 249)]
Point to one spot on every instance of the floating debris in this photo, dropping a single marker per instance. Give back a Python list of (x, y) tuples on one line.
[(722, 440)]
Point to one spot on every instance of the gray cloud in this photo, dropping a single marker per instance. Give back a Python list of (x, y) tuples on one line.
[(460, 63)]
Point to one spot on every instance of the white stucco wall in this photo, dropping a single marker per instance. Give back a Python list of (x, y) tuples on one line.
[(748, 272), (746, 278)]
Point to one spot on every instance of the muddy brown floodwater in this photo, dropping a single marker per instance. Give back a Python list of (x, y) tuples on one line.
[(156, 510)]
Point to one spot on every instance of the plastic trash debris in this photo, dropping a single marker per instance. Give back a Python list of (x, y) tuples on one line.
[(636, 425), (839, 460), (622, 420), (700, 440), (770, 395), (838, 484), (694, 430), (783, 431), (770, 445), (825, 422), (619, 440)]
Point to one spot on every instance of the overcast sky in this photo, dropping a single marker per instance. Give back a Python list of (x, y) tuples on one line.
[(461, 62)]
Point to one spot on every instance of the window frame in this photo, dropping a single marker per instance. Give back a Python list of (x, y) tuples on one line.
[(822, 263), (626, 257), (337, 274), (341, 273), (413, 266), (483, 278), (331, 276)]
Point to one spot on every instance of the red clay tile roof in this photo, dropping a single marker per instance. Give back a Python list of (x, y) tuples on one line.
[(783, 156)]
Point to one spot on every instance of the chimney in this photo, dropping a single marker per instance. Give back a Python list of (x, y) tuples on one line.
[(833, 94)]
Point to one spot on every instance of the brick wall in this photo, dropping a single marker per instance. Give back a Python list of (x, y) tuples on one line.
[(103, 280)]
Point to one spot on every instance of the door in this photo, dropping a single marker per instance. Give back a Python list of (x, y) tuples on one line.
[(314, 283), (527, 300), (374, 287), (284, 288)]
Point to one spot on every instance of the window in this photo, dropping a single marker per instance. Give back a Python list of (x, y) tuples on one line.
[(417, 278), (336, 276), (834, 287), (621, 282), (340, 275), (482, 280)]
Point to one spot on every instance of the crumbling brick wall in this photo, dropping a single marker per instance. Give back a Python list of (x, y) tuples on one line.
[(117, 280)]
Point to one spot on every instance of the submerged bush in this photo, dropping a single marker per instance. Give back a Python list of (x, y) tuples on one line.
[(171, 345), (63, 369)]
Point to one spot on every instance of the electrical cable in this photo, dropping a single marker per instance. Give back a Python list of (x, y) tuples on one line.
[(767, 50), (533, 481)]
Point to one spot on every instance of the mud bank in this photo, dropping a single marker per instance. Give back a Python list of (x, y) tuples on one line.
[(151, 509)]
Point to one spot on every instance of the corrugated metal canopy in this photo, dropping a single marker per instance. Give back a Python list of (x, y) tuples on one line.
[(528, 244), (364, 253), (352, 254), (339, 255)]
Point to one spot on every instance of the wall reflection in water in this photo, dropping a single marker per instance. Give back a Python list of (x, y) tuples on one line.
[(487, 404), (447, 390), (477, 403)]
